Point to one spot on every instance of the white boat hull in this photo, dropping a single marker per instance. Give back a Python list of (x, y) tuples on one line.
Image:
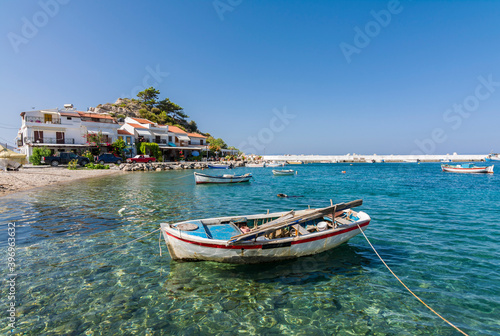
[(475, 170), (283, 172), (183, 246), (255, 165), (203, 178)]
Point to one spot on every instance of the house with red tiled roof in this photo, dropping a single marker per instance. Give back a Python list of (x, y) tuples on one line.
[(64, 130), (142, 121), (100, 123), (173, 142), (197, 139)]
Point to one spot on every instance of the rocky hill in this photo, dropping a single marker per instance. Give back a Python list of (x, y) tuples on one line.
[(123, 107)]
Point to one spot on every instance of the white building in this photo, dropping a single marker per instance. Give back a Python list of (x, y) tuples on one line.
[(173, 142), (103, 123), (59, 130), (63, 130)]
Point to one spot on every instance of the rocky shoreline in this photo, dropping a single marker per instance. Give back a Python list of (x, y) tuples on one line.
[(161, 166), (31, 177)]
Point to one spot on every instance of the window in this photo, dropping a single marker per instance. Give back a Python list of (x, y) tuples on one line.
[(201, 142), (68, 118), (120, 137), (169, 138), (39, 136), (60, 137), (47, 118)]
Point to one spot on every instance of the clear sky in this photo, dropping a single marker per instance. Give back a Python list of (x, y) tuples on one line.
[(269, 76)]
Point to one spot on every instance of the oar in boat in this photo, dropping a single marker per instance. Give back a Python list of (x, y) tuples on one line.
[(289, 219)]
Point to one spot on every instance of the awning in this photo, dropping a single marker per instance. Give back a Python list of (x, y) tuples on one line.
[(183, 137), (143, 132), (160, 134)]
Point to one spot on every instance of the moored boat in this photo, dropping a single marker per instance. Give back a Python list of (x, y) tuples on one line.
[(265, 237), (275, 164), (493, 157), (294, 162), (255, 165), (226, 178), (283, 172), (219, 166), (467, 168)]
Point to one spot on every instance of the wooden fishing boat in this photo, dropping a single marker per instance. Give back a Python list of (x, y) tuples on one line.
[(283, 172), (467, 168), (294, 162), (226, 178), (275, 164), (265, 237), (493, 157), (219, 166), (255, 165)]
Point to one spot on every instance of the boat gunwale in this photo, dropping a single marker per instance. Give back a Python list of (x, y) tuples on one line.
[(363, 221), (224, 177)]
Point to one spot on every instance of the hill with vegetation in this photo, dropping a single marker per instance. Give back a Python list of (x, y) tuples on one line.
[(147, 105)]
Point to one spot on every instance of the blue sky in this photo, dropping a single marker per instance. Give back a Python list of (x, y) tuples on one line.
[(270, 77)]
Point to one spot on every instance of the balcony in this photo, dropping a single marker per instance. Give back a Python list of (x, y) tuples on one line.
[(45, 140), (41, 120)]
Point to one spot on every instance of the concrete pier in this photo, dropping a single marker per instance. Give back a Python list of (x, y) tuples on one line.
[(377, 158)]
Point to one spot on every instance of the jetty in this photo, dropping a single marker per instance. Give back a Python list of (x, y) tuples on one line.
[(377, 158)]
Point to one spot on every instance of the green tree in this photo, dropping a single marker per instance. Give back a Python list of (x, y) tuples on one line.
[(151, 149), (38, 153), (215, 145), (173, 110), (118, 146), (192, 126), (149, 96)]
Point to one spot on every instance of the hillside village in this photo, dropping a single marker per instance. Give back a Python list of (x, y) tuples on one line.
[(128, 127)]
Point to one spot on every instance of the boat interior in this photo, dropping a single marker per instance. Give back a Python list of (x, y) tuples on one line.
[(225, 228)]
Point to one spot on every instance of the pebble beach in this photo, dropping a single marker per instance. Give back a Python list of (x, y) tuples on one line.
[(29, 178)]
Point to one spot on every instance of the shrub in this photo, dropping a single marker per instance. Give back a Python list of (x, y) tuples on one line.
[(150, 147), (96, 166), (38, 153), (72, 164), (89, 156)]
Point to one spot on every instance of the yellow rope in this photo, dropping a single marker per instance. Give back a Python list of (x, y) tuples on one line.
[(409, 290)]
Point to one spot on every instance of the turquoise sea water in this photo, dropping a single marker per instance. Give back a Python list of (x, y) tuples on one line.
[(438, 231)]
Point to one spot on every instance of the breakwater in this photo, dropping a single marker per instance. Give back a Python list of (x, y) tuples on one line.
[(378, 158)]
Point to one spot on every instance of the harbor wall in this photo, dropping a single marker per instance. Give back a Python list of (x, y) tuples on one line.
[(375, 157)]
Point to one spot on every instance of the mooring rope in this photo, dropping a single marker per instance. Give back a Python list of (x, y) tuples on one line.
[(409, 290), (114, 248)]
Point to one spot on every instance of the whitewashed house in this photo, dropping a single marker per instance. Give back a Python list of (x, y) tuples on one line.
[(64, 130), (59, 130), (105, 124)]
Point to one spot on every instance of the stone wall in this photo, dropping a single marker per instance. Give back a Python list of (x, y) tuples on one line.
[(160, 166)]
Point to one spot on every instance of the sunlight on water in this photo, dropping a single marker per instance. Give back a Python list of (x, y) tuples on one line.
[(438, 231)]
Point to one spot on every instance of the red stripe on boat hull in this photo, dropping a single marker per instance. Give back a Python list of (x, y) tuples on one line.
[(252, 247)]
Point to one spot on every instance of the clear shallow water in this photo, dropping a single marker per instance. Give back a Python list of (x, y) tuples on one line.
[(438, 231)]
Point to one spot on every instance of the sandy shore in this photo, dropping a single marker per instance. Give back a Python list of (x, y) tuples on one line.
[(29, 178)]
